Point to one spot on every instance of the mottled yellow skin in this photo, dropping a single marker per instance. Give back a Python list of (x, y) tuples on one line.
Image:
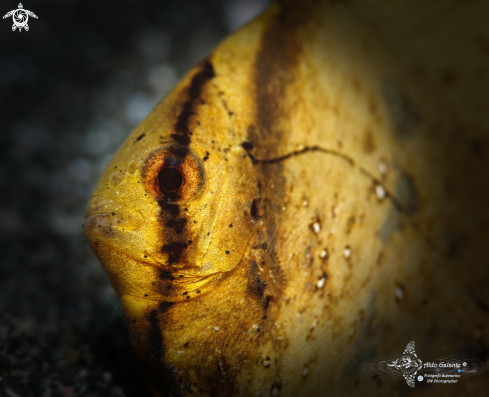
[(333, 207)]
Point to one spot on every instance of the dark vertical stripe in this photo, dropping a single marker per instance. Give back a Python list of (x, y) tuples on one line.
[(276, 67), (182, 131), (155, 338), (164, 380)]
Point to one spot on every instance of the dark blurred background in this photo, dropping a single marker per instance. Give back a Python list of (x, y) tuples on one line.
[(71, 89)]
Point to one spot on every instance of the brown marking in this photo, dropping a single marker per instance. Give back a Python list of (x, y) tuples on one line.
[(380, 258), (139, 137), (156, 343), (177, 239), (182, 130), (165, 274), (155, 338), (255, 208), (248, 146), (276, 66), (175, 232), (172, 209), (175, 250), (349, 224), (177, 224), (256, 286), (369, 145)]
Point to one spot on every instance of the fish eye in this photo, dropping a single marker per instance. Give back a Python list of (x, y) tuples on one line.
[(173, 173), (170, 179)]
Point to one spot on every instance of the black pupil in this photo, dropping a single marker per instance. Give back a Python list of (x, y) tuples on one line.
[(170, 179)]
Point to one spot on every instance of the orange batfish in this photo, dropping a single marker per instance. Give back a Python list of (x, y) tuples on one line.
[(313, 194)]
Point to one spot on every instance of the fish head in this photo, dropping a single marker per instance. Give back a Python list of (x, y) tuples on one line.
[(173, 210)]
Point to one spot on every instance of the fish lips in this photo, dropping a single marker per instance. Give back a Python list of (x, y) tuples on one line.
[(107, 222), (131, 271), (113, 232)]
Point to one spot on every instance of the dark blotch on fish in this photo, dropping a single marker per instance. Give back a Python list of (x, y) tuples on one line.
[(255, 207), (166, 275), (175, 250), (248, 146), (179, 151), (156, 343), (177, 224), (256, 286), (173, 209), (140, 137), (155, 338), (369, 145)]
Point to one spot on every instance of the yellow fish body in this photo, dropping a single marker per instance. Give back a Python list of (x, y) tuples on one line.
[(307, 197)]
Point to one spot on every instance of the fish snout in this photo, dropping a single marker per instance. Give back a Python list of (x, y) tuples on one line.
[(106, 218)]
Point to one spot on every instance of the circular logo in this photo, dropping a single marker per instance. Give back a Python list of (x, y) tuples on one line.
[(420, 378), (20, 17), (465, 364)]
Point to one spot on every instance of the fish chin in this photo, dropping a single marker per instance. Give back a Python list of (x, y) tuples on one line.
[(117, 239), (108, 224)]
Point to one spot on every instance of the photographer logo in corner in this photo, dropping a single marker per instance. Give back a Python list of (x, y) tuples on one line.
[(447, 369), (20, 18)]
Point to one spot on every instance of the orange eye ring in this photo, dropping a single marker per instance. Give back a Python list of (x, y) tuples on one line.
[(173, 173)]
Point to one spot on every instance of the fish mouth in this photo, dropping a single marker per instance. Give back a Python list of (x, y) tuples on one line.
[(116, 236), (101, 205), (109, 223), (111, 214)]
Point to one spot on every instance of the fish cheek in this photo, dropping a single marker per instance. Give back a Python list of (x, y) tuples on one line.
[(234, 224)]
